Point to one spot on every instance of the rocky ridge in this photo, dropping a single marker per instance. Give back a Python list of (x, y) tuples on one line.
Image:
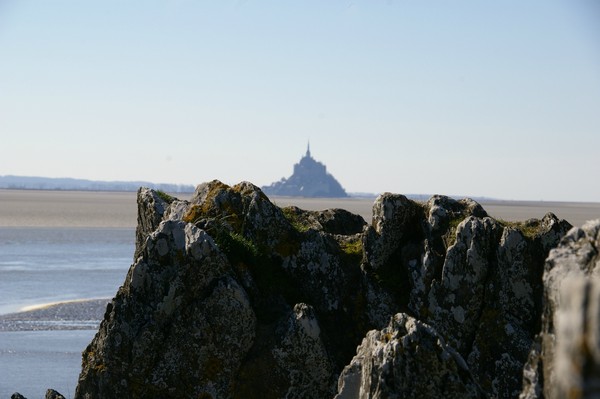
[(230, 296)]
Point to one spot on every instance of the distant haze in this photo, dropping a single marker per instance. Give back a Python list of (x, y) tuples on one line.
[(44, 183), (494, 99)]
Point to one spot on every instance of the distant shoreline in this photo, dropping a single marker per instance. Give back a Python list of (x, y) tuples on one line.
[(82, 190), (12, 182)]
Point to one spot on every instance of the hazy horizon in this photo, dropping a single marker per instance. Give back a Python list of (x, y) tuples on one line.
[(494, 99)]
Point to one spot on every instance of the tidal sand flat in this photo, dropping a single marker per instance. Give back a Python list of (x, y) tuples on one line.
[(89, 209)]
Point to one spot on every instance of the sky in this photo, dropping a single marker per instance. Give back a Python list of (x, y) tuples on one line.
[(498, 99)]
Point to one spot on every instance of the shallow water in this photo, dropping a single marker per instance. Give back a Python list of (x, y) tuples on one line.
[(44, 265), (33, 361)]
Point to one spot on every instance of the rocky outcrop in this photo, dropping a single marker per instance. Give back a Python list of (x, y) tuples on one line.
[(474, 279), (407, 359), (230, 296), (565, 361), (159, 334)]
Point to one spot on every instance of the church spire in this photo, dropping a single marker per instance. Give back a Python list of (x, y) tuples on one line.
[(308, 149)]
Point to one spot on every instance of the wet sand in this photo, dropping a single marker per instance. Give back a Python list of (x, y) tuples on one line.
[(71, 315), (41, 208)]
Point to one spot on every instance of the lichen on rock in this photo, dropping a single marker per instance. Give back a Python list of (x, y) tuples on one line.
[(407, 359), (230, 296), (180, 325), (565, 361)]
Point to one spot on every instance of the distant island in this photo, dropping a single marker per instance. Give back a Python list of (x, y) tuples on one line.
[(49, 183), (310, 179)]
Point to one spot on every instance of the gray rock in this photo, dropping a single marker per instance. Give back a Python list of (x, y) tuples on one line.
[(231, 296), (565, 361), (407, 359), (394, 218), (476, 280), (52, 394), (302, 357), (180, 325), (151, 208)]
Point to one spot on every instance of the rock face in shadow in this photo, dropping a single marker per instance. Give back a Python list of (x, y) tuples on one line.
[(230, 296), (565, 361)]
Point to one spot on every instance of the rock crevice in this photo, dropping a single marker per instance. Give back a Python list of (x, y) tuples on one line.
[(230, 296)]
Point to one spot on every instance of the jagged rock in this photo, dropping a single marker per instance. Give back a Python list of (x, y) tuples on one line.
[(565, 362), (302, 356), (332, 221), (442, 217), (151, 208), (476, 280), (212, 300), (180, 325), (407, 359), (231, 296), (394, 218), (487, 302), (52, 394), (17, 395)]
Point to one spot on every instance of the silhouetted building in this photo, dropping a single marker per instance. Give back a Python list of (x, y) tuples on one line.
[(310, 179)]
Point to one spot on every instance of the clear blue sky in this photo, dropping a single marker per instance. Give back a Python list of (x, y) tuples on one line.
[(477, 98)]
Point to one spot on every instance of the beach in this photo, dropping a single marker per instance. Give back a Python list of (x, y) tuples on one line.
[(84, 314), (64, 254)]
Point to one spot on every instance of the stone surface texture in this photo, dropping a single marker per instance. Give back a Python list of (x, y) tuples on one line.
[(407, 359), (565, 362), (230, 296)]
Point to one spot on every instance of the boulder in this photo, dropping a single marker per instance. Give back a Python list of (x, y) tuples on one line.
[(407, 359), (52, 394), (180, 325), (565, 360)]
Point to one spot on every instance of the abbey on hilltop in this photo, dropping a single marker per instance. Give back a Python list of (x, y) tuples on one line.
[(310, 179)]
